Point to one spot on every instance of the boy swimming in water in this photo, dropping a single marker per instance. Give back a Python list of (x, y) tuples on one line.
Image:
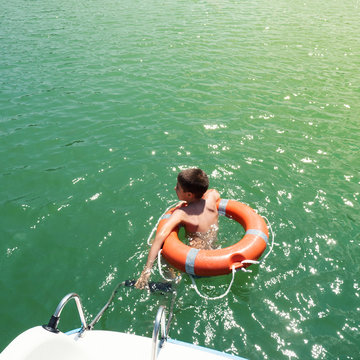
[(199, 217)]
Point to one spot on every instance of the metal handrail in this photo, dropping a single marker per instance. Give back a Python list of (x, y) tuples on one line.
[(54, 320), (159, 326)]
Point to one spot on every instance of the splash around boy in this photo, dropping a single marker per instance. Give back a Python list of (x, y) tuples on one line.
[(199, 217)]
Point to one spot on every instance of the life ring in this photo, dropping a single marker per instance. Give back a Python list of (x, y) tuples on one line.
[(219, 261)]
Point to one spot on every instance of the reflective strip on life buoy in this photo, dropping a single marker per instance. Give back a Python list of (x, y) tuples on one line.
[(219, 261)]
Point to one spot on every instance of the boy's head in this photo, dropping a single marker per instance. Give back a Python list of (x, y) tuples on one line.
[(194, 181)]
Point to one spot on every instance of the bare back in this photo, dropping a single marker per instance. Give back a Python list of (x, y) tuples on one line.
[(200, 219)]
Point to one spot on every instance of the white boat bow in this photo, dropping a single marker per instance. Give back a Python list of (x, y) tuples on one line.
[(48, 343)]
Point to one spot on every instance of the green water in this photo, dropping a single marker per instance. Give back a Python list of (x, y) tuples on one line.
[(103, 102)]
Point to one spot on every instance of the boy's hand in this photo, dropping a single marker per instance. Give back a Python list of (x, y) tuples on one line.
[(142, 282)]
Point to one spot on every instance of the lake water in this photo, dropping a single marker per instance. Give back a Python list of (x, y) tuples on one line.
[(103, 102)]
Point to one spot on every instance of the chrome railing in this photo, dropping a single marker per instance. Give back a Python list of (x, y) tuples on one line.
[(159, 327), (54, 320)]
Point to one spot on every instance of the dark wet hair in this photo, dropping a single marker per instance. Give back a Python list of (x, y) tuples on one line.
[(194, 180)]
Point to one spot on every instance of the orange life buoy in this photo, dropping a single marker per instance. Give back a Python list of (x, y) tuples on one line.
[(220, 261)]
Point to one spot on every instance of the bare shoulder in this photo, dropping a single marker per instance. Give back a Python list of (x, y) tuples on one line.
[(176, 218), (212, 195), (184, 211), (179, 214)]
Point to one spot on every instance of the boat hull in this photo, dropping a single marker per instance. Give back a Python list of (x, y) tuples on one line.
[(40, 344)]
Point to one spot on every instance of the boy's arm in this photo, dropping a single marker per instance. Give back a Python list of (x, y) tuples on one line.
[(174, 220)]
